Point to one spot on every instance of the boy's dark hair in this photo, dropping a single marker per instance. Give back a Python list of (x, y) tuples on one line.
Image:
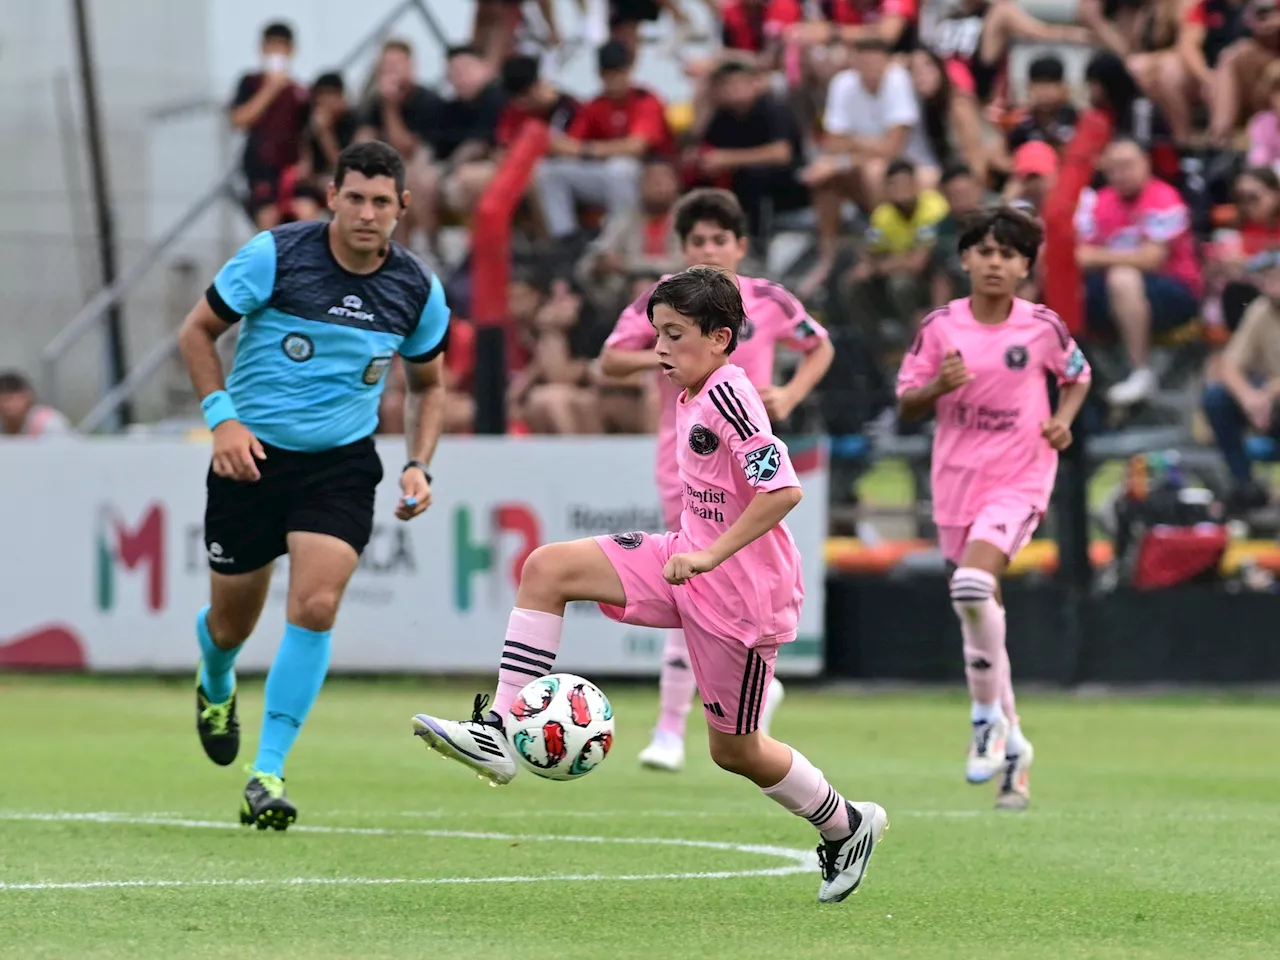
[(614, 55), (1009, 227), (1046, 69), (731, 66), (11, 381), (519, 74), (277, 31), (461, 50), (955, 172), (872, 45), (329, 81), (900, 166), (708, 296), (373, 158), (714, 206)]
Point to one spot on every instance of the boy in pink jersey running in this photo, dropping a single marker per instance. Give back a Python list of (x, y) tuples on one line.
[(729, 577), (713, 231), (981, 364)]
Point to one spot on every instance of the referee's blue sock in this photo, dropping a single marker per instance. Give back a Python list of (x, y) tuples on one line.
[(293, 683), (217, 675)]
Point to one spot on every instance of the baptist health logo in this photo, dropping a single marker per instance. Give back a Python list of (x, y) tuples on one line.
[(474, 556), (125, 547)]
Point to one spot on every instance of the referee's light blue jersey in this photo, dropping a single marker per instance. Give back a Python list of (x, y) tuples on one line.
[(316, 340)]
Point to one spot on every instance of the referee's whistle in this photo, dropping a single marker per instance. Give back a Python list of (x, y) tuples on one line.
[(410, 501)]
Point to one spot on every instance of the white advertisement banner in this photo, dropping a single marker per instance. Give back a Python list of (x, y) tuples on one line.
[(104, 564)]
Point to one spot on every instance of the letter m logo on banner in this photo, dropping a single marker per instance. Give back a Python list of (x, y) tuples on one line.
[(122, 547)]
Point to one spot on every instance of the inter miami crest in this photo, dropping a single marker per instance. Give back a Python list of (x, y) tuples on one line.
[(763, 464), (628, 541), (702, 441), (1015, 358)]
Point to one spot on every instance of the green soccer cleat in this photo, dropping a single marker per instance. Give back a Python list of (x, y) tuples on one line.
[(265, 804), (218, 727)]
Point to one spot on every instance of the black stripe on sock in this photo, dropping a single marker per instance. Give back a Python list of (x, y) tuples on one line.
[(724, 412), (545, 654), (528, 673), (529, 660)]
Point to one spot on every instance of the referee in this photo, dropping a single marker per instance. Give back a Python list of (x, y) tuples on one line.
[(323, 308)]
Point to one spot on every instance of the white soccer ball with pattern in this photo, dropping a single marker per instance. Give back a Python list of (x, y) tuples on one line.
[(560, 726)]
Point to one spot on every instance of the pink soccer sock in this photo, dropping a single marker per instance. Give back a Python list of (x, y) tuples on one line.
[(982, 626), (676, 686), (805, 792), (529, 652)]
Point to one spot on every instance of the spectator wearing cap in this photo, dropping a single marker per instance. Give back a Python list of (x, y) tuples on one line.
[(1246, 398), (899, 247), (271, 107), (598, 162), (870, 113), (21, 415), (1138, 257), (751, 145), (1032, 175), (1237, 95)]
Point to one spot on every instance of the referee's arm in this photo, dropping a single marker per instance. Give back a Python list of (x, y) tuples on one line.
[(423, 407)]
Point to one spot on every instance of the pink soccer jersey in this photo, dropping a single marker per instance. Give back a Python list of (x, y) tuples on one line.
[(988, 444), (773, 316), (726, 455)]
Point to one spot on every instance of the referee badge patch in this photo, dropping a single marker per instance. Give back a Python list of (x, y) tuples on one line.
[(375, 370), (298, 347)]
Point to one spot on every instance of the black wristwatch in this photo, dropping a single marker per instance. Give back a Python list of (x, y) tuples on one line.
[(418, 464)]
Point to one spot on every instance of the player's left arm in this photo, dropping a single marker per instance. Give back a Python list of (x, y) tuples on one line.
[(808, 337), (1066, 361), (743, 427), (424, 402)]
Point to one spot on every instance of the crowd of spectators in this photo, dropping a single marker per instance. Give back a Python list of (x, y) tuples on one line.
[(869, 128)]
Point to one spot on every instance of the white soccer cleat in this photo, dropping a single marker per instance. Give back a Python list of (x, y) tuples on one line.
[(1133, 389), (844, 862), (664, 752), (1015, 782), (479, 743), (773, 698), (986, 750)]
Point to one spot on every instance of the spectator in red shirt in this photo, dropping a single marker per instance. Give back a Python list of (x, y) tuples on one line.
[(893, 21), (272, 107), (531, 97), (1257, 196), (599, 161), (755, 26)]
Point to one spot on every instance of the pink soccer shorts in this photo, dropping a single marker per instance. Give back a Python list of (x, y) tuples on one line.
[(1007, 524), (732, 678)]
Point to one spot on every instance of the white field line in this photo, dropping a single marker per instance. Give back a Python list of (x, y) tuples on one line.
[(799, 861)]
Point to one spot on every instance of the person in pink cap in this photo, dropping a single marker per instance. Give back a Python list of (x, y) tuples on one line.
[(1034, 171), (980, 365), (712, 229), (729, 576)]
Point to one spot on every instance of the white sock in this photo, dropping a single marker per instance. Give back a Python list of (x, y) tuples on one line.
[(1016, 742), (985, 712)]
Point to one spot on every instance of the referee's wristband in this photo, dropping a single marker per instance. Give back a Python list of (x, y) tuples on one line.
[(418, 465), (218, 407)]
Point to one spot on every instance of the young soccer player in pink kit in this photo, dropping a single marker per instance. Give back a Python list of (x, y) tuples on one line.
[(713, 231), (729, 576), (981, 363)]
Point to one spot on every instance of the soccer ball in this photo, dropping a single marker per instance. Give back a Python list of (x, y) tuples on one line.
[(561, 726)]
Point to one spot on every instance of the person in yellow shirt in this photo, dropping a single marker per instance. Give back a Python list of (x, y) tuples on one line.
[(890, 281)]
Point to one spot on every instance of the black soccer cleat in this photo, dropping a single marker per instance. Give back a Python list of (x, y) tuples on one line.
[(218, 727), (265, 804)]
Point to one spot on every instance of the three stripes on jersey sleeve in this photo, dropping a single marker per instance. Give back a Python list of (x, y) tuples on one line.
[(733, 410)]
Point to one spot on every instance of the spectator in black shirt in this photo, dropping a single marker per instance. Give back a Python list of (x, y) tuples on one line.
[(332, 128), (751, 145), (1050, 116), (272, 107)]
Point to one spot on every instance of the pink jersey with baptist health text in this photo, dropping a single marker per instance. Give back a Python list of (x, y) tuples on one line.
[(987, 442), (726, 455), (774, 316)]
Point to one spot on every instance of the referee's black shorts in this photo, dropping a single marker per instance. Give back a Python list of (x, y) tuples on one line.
[(331, 492)]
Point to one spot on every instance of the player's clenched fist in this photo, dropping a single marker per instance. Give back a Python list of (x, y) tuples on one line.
[(236, 452), (953, 375), (683, 567), (1057, 433)]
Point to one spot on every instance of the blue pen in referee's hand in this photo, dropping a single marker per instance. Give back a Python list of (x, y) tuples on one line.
[(410, 501)]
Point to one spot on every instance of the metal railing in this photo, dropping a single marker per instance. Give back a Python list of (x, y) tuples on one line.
[(92, 314)]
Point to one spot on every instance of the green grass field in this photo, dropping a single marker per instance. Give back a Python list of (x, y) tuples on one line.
[(1155, 833)]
